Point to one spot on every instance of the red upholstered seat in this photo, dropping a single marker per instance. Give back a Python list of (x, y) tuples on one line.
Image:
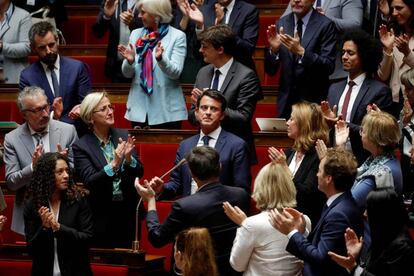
[(8, 235), (78, 30), (24, 268)]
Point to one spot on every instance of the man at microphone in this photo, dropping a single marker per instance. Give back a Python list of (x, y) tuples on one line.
[(202, 209), (234, 152)]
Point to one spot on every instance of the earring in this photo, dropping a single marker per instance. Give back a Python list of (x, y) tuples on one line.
[(175, 270)]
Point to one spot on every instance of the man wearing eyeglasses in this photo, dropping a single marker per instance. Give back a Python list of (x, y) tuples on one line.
[(234, 152), (24, 145)]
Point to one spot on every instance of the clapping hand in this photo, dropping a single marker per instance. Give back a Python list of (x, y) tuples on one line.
[(341, 133), (329, 114), (321, 149), (387, 38), (353, 246), (159, 50), (273, 38), (291, 43), (234, 213), (127, 52), (145, 191)]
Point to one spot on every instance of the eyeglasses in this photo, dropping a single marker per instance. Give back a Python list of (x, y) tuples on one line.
[(213, 109), (39, 109), (105, 109)]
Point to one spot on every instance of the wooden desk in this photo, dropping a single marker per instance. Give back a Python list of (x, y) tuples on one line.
[(161, 136)]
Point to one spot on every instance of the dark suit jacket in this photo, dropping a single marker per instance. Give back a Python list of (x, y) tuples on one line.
[(372, 91), (72, 239), (244, 21), (89, 165), (112, 64), (234, 160), (308, 80), (308, 197), (242, 90), (74, 83), (328, 235), (202, 209)]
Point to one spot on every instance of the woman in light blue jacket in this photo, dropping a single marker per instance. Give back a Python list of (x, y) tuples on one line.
[(155, 58)]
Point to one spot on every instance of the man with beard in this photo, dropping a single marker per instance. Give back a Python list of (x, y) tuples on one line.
[(65, 81), (24, 146)]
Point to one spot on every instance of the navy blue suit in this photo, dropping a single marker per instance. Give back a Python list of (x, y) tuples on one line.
[(327, 235), (244, 21), (202, 209), (372, 91), (234, 160), (308, 80), (89, 164), (74, 83)]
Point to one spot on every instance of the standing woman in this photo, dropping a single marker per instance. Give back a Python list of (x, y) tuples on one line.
[(398, 45), (306, 125), (194, 253), (107, 164), (58, 221), (154, 59)]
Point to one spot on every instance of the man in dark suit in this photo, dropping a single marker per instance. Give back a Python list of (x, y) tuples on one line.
[(119, 20), (242, 17), (238, 83), (202, 209), (336, 175), (361, 55), (234, 153), (304, 44), (65, 80)]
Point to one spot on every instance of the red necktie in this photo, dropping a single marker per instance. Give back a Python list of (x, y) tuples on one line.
[(347, 98)]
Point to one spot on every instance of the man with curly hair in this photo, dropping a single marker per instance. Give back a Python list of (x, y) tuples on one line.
[(361, 55)]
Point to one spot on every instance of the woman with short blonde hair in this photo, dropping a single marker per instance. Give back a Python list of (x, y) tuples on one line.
[(258, 248)]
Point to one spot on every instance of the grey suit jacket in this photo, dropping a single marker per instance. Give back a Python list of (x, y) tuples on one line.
[(18, 150), (16, 45), (346, 14), (242, 90)]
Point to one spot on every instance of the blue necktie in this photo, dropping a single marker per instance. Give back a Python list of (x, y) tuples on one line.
[(54, 80), (205, 140), (216, 79)]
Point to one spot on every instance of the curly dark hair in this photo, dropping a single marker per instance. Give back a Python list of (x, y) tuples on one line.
[(43, 183), (369, 49)]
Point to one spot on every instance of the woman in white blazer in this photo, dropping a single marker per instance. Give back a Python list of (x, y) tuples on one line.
[(259, 249), (154, 59)]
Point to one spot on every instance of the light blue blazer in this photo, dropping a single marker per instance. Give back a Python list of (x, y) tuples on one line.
[(166, 103)]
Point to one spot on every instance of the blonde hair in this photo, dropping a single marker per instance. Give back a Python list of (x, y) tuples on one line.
[(160, 9), (381, 129), (89, 103), (311, 126), (196, 247), (274, 188), (407, 78)]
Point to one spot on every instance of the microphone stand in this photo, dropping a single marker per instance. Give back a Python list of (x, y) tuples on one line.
[(135, 243)]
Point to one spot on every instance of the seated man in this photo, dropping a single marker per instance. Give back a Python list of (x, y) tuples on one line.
[(234, 153), (202, 209), (336, 175), (24, 145)]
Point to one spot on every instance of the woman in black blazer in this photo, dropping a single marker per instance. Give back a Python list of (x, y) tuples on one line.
[(106, 162), (305, 126), (58, 220)]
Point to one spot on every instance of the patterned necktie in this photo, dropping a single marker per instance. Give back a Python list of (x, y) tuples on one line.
[(216, 79), (205, 140), (38, 136), (55, 82)]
